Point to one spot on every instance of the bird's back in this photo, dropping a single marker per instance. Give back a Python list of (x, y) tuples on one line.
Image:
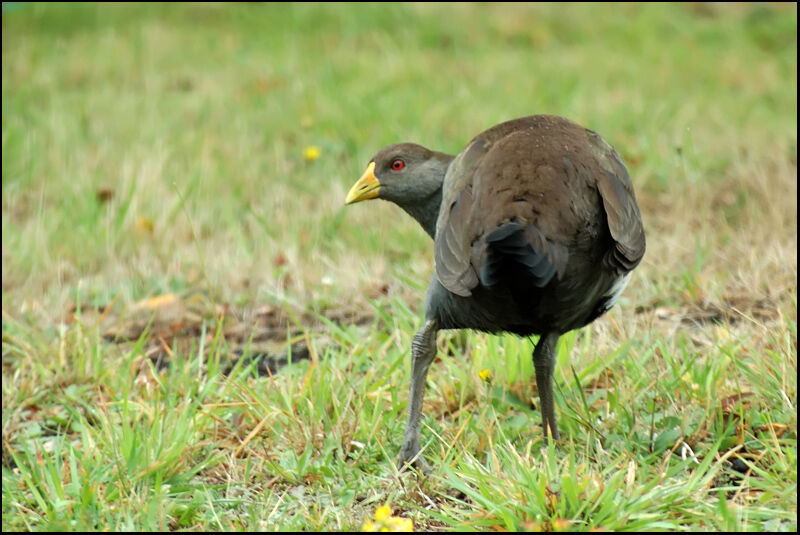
[(537, 224)]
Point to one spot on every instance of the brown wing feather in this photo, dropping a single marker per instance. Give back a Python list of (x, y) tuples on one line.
[(622, 212), (454, 227)]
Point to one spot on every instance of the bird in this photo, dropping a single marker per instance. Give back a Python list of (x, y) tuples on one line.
[(536, 231)]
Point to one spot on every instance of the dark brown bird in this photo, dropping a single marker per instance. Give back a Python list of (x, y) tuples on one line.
[(536, 231)]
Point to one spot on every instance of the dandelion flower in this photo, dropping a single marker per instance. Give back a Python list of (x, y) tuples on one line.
[(311, 153), (485, 375)]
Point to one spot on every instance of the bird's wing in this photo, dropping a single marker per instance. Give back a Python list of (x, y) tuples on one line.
[(622, 212), (452, 244)]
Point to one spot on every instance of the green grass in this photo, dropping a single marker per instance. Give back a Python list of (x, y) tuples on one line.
[(154, 185)]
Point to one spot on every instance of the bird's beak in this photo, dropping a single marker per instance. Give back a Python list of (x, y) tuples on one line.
[(366, 188)]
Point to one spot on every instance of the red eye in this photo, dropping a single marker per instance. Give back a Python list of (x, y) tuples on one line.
[(398, 165)]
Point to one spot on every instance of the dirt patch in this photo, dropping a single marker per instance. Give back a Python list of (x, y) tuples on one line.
[(730, 310), (268, 337)]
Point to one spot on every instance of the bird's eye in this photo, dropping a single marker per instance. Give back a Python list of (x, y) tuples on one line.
[(397, 165)]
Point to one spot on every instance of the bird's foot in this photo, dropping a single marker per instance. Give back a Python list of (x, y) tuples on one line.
[(411, 457)]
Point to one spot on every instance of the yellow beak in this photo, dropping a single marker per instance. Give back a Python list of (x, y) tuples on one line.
[(366, 188)]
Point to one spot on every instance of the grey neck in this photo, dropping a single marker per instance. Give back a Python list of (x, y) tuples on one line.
[(426, 212)]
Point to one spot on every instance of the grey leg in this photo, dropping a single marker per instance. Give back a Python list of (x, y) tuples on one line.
[(544, 361), (423, 349)]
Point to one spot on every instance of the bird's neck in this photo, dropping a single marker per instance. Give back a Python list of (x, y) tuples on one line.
[(426, 211), (426, 204)]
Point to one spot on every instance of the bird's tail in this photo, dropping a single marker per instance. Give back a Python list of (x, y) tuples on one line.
[(517, 250)]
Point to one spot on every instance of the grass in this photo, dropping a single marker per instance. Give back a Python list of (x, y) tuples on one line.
[(161, 224)]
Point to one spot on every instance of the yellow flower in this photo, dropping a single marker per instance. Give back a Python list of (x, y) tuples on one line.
[(384, 521), (398, 523), (382, 513), (485, 375), (311, 153)]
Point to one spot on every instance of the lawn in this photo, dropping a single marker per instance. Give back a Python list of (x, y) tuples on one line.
[(199, 335)]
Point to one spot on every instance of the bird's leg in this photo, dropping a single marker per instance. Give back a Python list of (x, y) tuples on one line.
[(423, 349), (544, 361)]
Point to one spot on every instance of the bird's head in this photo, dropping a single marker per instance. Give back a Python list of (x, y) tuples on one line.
[(404, 173)]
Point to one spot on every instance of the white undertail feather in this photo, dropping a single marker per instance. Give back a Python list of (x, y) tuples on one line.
[(616, 290)]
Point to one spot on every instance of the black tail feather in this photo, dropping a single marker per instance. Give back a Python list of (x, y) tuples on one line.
[(510, 249)]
